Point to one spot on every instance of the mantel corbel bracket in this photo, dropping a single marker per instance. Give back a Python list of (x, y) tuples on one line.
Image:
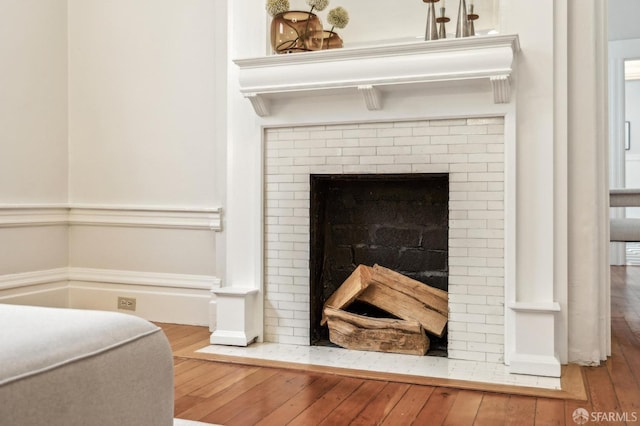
[(371, 96), (501, 85), (259, 103)]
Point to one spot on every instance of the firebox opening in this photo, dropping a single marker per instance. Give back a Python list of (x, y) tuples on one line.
[(399, 221)]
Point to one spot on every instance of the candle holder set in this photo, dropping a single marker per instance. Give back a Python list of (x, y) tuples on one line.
[(436, 27)]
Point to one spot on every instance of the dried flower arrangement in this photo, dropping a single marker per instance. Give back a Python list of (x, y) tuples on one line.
[(319, 5), (338, 18), (300, 40), (275, 7)]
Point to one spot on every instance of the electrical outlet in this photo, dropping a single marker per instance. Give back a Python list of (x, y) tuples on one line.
[(127, 303)]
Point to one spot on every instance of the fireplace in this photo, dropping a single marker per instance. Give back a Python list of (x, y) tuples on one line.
[(399, 221), (445, 106)]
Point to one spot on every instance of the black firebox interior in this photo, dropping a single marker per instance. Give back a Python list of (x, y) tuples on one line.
[(397, 221)]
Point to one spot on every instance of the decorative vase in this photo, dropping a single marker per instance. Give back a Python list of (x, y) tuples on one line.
[(296, 31), (331, 40), (431, 32), (462, 27), (471, 17), (442, 21)]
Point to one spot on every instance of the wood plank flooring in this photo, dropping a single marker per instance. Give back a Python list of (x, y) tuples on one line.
[(233, 394)]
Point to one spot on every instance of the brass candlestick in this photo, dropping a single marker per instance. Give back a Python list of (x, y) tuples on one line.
[(471, 16), (431, 32), (442, 20)]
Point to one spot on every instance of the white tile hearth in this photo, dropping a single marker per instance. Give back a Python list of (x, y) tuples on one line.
[(425, 366)]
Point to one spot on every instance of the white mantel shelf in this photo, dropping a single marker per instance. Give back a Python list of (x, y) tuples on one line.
[(367, 71)]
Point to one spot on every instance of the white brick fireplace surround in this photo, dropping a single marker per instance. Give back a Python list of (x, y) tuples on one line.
[(470, 150), (444, 106)]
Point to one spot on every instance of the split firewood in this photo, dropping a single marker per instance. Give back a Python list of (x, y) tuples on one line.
[(431, 297), (404, 306), (358, 332), (349, 290)]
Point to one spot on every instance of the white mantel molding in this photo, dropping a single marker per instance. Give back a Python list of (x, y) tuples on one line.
[(208, 219), (365, 71)]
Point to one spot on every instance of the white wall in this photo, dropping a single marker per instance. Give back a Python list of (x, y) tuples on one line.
[(142, 99), (110, 108), (33, 101), (142, 134), (622, 19), (33, 124)]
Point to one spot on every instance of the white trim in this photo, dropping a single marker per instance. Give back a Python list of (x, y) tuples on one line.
[(193, 218), (537, 365), (234, 291), (26, 279), (535, 306), (163, 297), (233, 338), (162, 304), (147, 217), (154, 279), (12, 216), (501, 85), (237, 321), (388, 67)]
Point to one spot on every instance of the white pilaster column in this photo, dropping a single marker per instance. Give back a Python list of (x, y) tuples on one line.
[(531, 306), (239, 302)]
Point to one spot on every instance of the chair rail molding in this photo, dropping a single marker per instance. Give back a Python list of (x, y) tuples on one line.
[(141, 278), (369, 72), (14, 215), (198, 218), (207, 219)]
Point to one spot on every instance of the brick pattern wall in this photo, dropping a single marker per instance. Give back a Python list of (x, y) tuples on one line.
[(472, 152)]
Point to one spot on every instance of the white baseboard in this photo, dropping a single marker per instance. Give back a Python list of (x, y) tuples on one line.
[(160, 304), (161, 297), (51, 294)]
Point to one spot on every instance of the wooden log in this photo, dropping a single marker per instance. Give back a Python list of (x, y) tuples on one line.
[(357, 332), (432, 297), (404, 306), (357, 282)]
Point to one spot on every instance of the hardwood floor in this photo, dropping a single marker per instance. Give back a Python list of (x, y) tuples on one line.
[(232, 394)]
